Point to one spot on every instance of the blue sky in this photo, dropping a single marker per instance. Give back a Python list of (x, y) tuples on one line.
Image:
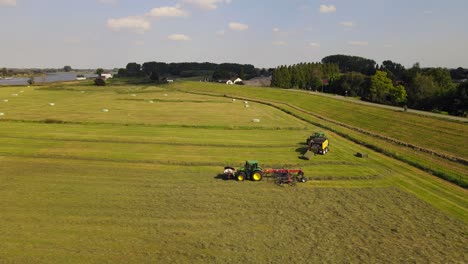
[(266, 33)]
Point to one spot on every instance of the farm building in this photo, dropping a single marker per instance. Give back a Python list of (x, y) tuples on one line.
[(106, 75)]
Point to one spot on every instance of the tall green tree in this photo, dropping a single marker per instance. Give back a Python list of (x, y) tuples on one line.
[(67, 68), (281, 77), (379, 88), (348, 63), (242, 73), (422, 91), (442, 77), (352, 84), (4, 71), (133, 69), (398, 94), (395, 71), (99, 71)]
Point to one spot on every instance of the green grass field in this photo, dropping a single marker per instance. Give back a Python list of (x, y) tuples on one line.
[(439, 144), (140, 184)]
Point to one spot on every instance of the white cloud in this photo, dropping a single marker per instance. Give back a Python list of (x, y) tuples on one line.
[(134, 23), (141, 24), (279, 43), (348, 24), (207, 4), (238, 26), (314, 44), (168, 11), (327, 8), (8, 2), (179, 37), (276, 29), (220, 33), (358, 43)]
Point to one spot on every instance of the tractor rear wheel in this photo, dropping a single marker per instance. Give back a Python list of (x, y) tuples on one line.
[(257, 176), (241, 176)]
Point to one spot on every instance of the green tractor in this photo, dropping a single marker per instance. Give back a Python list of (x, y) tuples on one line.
[(314, 136), (250, 171)]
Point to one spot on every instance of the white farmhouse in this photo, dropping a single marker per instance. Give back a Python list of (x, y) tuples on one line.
[(106, 75)]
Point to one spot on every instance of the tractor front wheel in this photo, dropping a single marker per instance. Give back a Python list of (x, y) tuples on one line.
[(241, 176), (257, 176)]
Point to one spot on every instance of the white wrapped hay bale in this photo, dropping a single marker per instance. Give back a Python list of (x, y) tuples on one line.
[(105, 110), (51, 104), (247, 106), (2, 114), (256, 120), (6, 100)]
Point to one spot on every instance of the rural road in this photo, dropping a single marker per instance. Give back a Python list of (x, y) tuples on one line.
[(353, 100)]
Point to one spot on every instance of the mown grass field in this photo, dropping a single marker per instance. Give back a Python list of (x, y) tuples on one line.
[(139, 183), (439, 146)]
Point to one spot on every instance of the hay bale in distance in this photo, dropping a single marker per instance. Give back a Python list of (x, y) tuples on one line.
[(247, 106), (2, 114), (6, 100), (362, 155), (256, 120), (105, 110), (51, 104)]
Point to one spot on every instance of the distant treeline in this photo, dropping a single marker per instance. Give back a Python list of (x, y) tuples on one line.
[(211, 71), (430, 89)]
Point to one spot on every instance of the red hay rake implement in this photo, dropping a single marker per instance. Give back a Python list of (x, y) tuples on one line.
[(285, 176)]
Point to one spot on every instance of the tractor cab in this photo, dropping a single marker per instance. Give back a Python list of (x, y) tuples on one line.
[(314, 136)]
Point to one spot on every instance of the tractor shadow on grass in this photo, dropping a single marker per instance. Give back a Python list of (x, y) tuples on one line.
[(220, 176), (223, 177)]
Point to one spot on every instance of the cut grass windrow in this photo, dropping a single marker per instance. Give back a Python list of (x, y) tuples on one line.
[(58, 121), (152, 142)]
